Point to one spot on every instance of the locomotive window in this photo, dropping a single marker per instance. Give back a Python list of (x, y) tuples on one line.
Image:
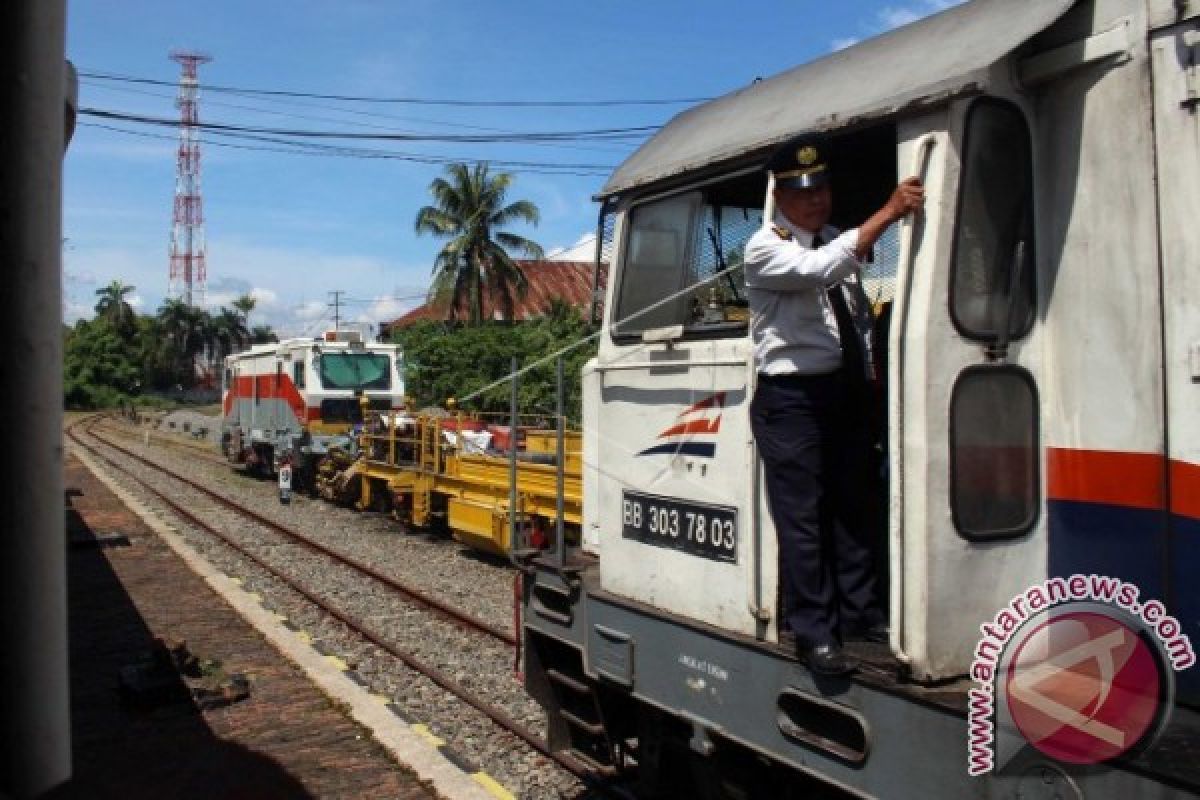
[(355, 371), (992, 278), (675, 244), (298, 373), (994, 485), (655, 256)]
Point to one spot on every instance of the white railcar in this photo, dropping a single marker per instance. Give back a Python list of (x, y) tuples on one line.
[(1042, 351), (296, 399)]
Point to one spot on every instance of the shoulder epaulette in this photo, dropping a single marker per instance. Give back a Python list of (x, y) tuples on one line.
[(782, 232)]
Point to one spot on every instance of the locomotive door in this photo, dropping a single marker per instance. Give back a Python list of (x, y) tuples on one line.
[(964, 413), (1175, 54), (673, 500)]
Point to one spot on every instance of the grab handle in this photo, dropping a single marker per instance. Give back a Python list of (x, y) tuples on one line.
[(908, 251)]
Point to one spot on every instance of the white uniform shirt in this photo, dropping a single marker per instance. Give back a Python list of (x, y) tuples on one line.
[(794, 328)]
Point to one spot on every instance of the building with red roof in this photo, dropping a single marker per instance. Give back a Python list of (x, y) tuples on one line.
[(569, 281)]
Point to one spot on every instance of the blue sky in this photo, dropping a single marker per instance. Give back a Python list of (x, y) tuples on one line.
[(292, 228)]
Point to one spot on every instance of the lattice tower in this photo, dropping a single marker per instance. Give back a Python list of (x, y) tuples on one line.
[(188, 273)]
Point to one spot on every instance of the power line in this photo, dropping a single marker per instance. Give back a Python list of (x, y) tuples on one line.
[(503, 137), (405, 100), (333, 151), (340, 110)]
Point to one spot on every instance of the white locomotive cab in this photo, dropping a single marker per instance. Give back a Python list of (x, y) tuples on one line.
[(673, 411)]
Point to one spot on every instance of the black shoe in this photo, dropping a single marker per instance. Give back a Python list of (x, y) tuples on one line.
[(827, 659), (878, 633)]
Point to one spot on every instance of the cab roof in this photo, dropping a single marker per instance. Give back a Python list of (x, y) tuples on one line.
[(937, 57)]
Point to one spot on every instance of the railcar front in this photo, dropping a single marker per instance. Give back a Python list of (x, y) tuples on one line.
[(301, 398)]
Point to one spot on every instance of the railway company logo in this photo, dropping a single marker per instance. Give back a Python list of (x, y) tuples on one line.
[(694, 431), (1078, 668)]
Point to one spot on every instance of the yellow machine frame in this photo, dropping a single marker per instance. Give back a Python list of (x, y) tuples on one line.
[(426, 476)]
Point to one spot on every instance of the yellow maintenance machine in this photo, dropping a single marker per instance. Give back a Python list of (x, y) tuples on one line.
[(436, 468)]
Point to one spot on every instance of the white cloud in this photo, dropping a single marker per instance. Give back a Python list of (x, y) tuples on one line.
[(309, 311), (73, 312), (291, 285), (385, 309), (895, 16), (226, 291), (892, 17), (264, 297), (584, 249)]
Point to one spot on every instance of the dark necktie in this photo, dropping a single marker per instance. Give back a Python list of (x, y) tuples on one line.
[(852, 354)]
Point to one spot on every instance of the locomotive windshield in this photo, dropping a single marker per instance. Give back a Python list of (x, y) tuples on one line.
[(355, 371), (674, 248)]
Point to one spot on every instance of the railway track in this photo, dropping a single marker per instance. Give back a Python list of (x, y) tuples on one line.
[(373, 614), (410, 592), (201, 449)]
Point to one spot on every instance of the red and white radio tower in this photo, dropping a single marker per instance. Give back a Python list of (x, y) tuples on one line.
[(188, 275)]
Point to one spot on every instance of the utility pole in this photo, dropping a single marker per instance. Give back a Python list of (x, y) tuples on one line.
[(336, 305)]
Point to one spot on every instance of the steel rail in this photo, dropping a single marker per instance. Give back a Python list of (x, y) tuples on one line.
[(415, 595), (496, 715), (205, 453)]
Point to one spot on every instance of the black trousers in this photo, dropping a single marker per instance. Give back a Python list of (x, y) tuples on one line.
[(815, 439)]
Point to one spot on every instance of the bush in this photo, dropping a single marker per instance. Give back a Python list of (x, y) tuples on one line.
[(444, 360)]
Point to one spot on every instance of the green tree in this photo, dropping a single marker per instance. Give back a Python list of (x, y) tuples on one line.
[(443, 360), (98, 369), (184, 329), (230, 333), (475, 263), (154, 352), (245, 304), (113, 307), (262, 334)]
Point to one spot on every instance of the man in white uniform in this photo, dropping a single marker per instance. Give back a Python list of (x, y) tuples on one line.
[(811, 409)]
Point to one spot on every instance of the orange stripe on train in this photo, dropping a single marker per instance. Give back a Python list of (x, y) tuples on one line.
[(1185, 489), (1134, 480)]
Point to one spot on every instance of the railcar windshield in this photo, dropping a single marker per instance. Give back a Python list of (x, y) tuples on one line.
[(355, 371)]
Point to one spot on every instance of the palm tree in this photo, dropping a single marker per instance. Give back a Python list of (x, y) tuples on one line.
[(184, 329), (112, 305), (229, 333), (262, 334), (245, 304), (469, 210)]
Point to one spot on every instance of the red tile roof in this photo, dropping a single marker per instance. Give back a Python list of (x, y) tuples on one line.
[(569, 280)]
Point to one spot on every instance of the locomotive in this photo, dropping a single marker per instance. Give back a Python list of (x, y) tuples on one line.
[(1042, 338), (296, 400)]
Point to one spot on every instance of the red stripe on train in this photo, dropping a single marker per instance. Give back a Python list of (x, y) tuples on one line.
[(270, 387)]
